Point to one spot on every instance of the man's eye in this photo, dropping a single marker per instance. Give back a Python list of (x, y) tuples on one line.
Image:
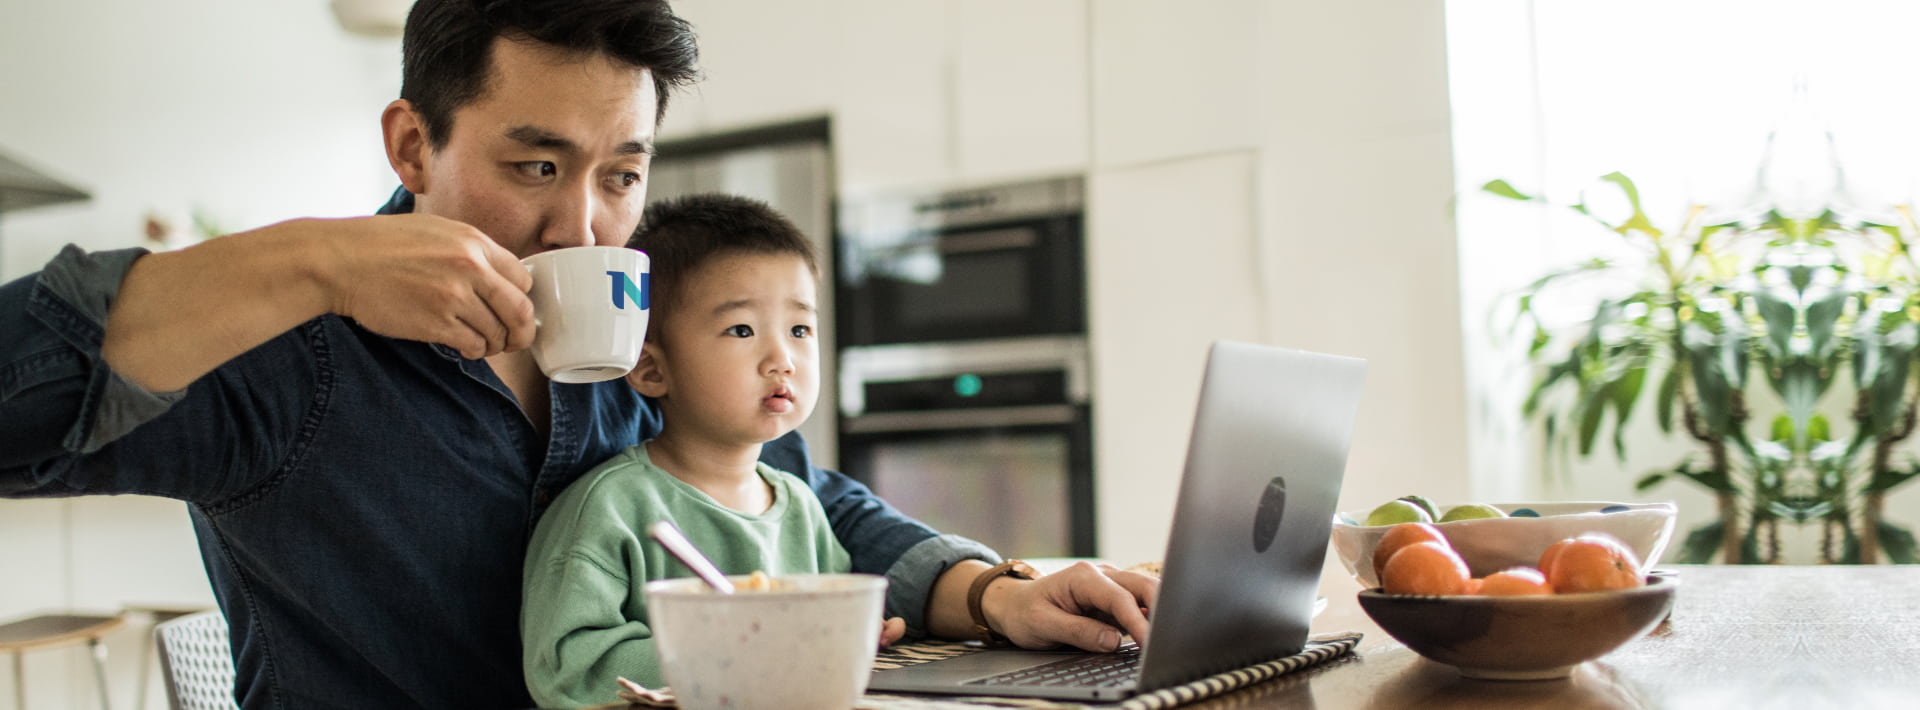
[(626, 179), (536, 168), (803, 331), (741, 331)]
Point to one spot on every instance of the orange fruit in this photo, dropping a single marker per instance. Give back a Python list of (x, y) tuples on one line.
[(1546, 558), (1425, 568), (1591, 563), (1400, 536), (1515, 581), (1475, 585)]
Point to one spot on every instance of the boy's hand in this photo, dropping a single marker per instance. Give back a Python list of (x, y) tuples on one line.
[(892, 630)]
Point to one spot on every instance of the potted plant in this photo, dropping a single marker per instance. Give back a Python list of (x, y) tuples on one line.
[(1782, 346)]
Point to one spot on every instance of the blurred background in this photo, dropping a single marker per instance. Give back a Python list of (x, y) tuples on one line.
[(1296, 173)]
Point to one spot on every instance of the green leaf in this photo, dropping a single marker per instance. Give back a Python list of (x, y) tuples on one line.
[(1800, 385), (1818, 429), (1823, 317), (1799, 277), (1782, 428), (1713, 390), (1779, 318), (1716, 481), (1592, 409), (1501, 188), (1702, 543), (1886, 481), (1669, 391), (1887, 394), (1638, 221), (1898, 543), (1649, 481), (1626, 391)]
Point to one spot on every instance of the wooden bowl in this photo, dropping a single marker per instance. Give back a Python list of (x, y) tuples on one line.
[(1521, 637)]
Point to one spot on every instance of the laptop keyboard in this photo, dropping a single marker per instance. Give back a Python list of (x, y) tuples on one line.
[(1094, 670)]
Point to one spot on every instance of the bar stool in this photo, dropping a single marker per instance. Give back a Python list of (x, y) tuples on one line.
[(52, 631)]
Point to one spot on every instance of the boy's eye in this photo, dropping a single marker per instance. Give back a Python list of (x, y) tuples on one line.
[(803, 331), (536, 168), (741, 331)]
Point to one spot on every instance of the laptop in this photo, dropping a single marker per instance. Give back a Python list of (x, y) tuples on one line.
[(1242, 567)]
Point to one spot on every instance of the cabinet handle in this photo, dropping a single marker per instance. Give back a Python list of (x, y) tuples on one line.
[(946, 420)]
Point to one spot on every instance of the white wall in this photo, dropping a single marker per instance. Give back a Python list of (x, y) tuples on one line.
[(252, 112), (1268, 171)]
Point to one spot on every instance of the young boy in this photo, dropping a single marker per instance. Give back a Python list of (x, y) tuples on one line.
[(732, 359)]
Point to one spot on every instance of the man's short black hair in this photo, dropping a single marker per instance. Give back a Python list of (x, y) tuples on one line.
[(447, 49), (681, 235)]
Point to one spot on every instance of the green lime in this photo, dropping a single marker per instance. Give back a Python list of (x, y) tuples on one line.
[(1396, 512), (1433, 511), (1471, 511)]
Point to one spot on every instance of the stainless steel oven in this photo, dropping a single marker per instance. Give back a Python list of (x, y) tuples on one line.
[(991, 439), (1001, 261)]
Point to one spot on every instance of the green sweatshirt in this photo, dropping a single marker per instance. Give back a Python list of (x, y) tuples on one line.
[(584, 617)]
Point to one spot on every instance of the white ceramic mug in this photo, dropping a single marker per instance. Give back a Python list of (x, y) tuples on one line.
[(590, 305)]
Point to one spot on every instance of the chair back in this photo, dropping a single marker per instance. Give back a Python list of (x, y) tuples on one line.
[(197, 661)]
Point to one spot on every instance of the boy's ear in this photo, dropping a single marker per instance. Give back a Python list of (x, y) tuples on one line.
[(406, 140), (647, 377)]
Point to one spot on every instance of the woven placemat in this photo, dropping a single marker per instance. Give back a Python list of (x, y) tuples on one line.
[(1319, 650)]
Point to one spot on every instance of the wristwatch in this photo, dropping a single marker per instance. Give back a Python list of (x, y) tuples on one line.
[(1011, 568)]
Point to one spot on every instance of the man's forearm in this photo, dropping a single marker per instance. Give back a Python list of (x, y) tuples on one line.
[(947, 615), (181, 314)]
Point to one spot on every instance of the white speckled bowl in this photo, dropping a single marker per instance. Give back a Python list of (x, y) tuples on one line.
[(1493, 544), (809, 643)]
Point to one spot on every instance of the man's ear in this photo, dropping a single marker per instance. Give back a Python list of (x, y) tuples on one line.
[(648, 377), (405, 134)]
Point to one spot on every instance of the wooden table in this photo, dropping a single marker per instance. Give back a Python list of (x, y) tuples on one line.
[(1740, 637)]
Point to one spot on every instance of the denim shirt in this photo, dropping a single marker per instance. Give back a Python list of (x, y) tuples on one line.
[(362, 503)]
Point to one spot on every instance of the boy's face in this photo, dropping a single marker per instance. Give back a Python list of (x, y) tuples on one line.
[(739, 354), (554, 154)]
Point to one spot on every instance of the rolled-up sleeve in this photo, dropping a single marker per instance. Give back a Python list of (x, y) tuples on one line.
[(58, 397), (70, 425), (910, 580)]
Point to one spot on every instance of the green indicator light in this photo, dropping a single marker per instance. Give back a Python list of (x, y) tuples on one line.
[(967, 385)]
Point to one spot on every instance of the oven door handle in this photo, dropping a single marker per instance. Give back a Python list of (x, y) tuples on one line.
[(951, 419)]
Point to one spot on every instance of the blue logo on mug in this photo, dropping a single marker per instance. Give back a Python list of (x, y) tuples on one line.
[(624, 288)]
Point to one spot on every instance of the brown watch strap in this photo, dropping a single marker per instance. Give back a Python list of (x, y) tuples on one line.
[(1012, 568)]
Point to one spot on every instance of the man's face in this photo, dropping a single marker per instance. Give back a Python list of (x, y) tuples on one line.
[(554, 154)]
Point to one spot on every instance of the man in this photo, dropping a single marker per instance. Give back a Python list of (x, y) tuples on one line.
[(348, 406)]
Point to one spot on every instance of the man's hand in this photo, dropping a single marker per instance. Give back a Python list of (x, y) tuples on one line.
[(1085, 606), (181, 314), (422, 277)]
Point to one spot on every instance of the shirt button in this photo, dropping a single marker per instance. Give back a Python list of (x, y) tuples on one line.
[(542, 496)]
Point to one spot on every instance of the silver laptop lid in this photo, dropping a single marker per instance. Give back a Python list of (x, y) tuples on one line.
[(1256, 504)]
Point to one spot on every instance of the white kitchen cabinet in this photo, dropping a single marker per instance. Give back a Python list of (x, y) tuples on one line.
[(765, 62), (1173, 80), (1020, 85), (892, 108), (1170, 268)]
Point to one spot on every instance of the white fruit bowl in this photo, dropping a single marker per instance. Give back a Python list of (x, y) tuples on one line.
[(1492, 544)]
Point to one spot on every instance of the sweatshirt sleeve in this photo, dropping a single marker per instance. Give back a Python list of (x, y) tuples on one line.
[(578, 632)]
